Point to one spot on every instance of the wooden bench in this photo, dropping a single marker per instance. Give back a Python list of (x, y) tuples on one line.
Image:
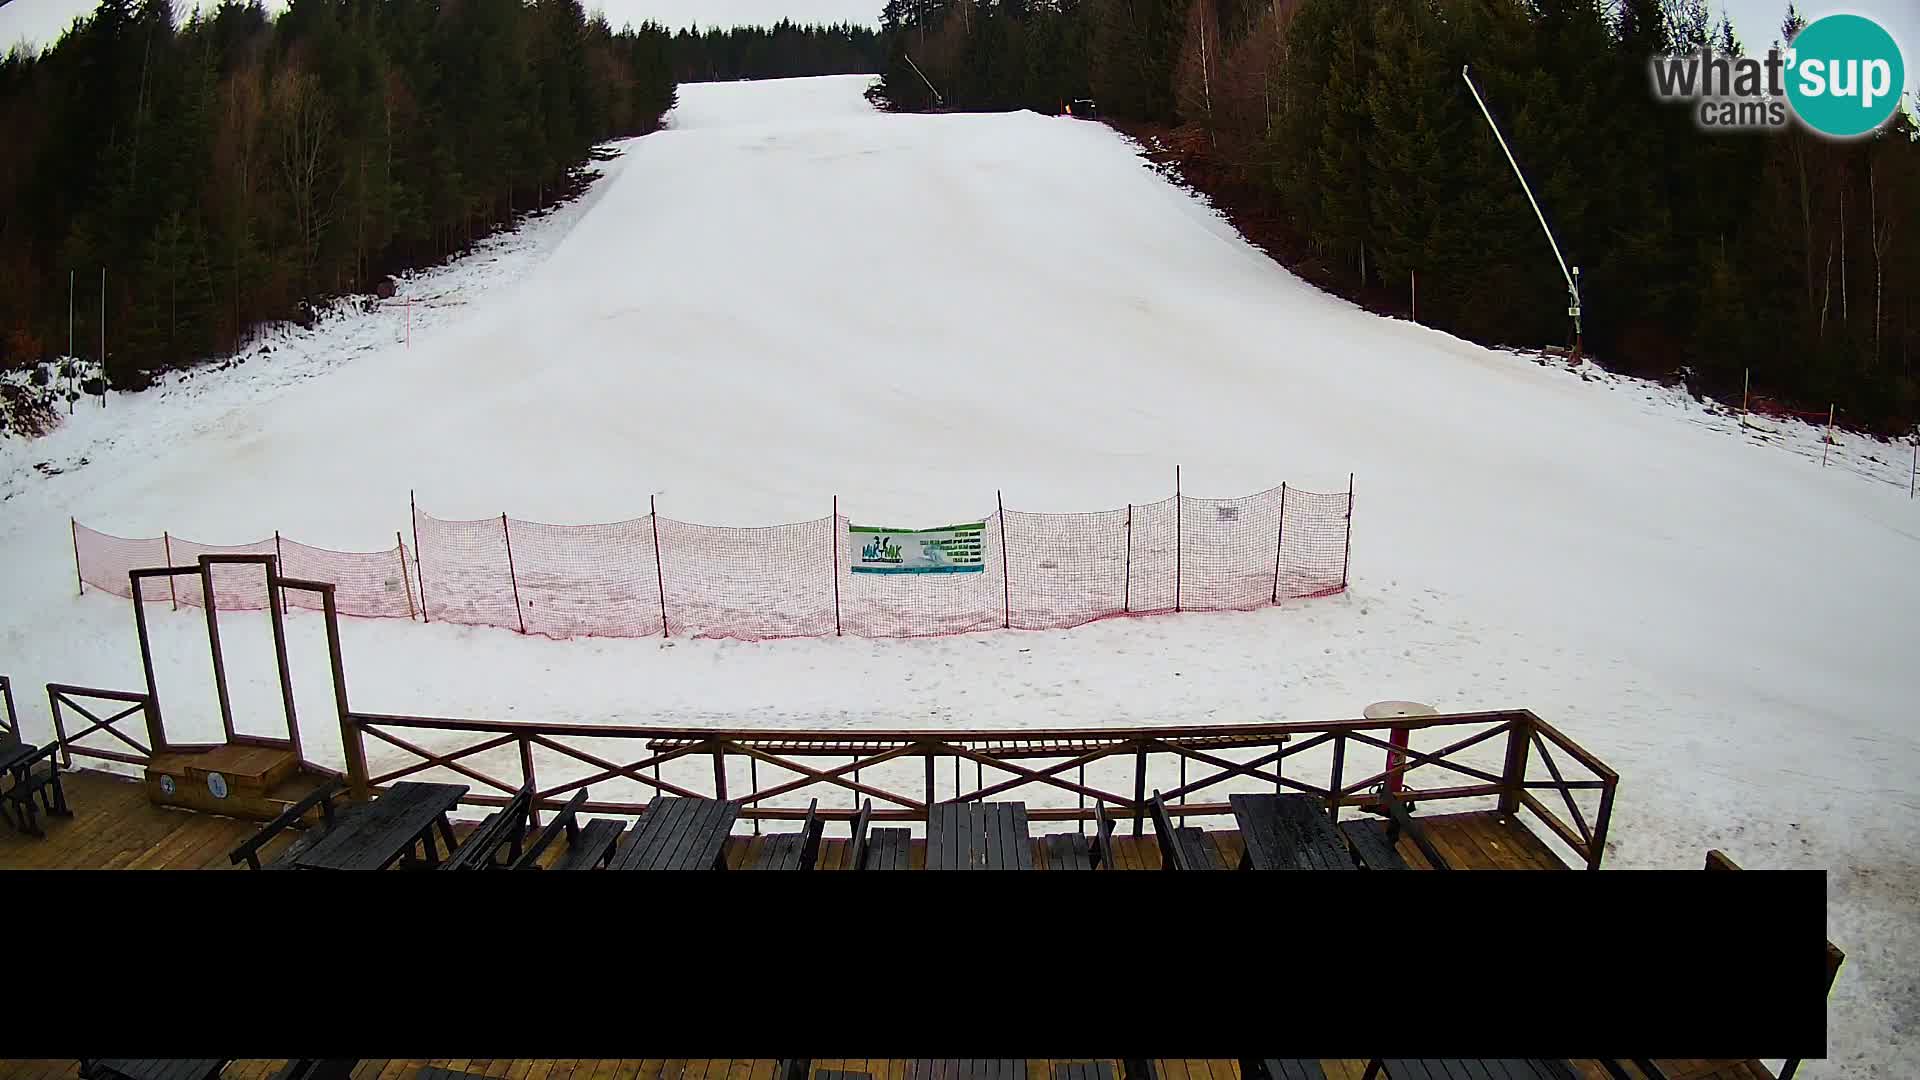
[(505, 827), (151, 1068), (1374, 842), (1082, 1070), (321, 797), (1071, 851), (1185, 848), (35, 774), (1281, 1069), (882, 849), (1490, 1068), (1718, 860), (952, 1069), (317, 1069), (588, 845), (796, 850), (435, 1072)]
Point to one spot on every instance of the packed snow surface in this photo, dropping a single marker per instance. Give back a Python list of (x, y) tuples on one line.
[(788, 296)]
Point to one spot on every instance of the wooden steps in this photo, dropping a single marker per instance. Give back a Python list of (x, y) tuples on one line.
[(236, 780)]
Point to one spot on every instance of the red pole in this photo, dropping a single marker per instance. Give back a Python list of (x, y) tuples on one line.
[(1176, 538), (1006, 586), (512, 578), (834, 536), (1396, 780), (74, 527), (659, 575), (419, 575)]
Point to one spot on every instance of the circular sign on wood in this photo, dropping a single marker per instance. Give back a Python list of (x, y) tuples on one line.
[(166, 786), (216, 785)]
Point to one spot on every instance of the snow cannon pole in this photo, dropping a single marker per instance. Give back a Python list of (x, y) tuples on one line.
[(1826, 441), (1915, 473), (1572, 275)]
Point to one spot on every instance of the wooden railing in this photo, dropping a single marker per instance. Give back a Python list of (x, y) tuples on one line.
[(61, 695), (1047, 764)]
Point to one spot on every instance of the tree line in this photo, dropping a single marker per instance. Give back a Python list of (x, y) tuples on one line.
[(781, 51), (241, 168), (1703, 255)]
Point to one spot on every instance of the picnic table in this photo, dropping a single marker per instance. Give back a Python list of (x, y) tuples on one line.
[(978, 836), (375, 835), (1288, 832), (679, 834)]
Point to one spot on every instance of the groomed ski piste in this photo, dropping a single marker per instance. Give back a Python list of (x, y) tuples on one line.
[(787, 296)]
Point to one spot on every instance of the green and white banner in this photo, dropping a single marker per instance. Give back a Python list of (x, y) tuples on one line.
[(954, 549)]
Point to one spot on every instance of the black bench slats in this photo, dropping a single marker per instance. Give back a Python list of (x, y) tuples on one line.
[(794, 851), (1372, 848), (950, 1069), (317, 1069), (841, 1074), (321, 797), (1083, 1070), (37, 774), (154, 1068), (593, 846), (891, 849), (506, 827), (1182, 848), (588, 845), (1400, 820), (1282, 1069), (1066, 851), (979, 836), (1471, 1069)]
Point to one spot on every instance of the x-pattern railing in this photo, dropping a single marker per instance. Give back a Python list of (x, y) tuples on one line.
[(61, 696), (1069, 753)]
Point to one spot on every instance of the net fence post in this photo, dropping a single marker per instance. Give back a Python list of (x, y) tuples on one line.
[(659, 575), (166, 545), (1177, 545), (1006, 585), (280, 567), (833, 544), (406, 586), (1347, 553), (1126, 585), (419, 575), (512, 578), (1279, 541), (73, 526)]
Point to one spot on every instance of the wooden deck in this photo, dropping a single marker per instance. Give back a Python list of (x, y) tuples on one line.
[(116, 827), (764, 1069)]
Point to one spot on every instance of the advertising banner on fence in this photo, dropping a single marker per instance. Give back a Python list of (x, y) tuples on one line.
[(954, 549)]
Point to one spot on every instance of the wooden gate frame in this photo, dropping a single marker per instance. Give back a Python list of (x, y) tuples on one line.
[(276, 586)]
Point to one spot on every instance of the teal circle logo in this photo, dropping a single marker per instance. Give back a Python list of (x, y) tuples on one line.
[(1845, 75)]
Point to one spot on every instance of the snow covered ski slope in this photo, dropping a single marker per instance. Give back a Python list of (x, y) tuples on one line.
[(788, 296)]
